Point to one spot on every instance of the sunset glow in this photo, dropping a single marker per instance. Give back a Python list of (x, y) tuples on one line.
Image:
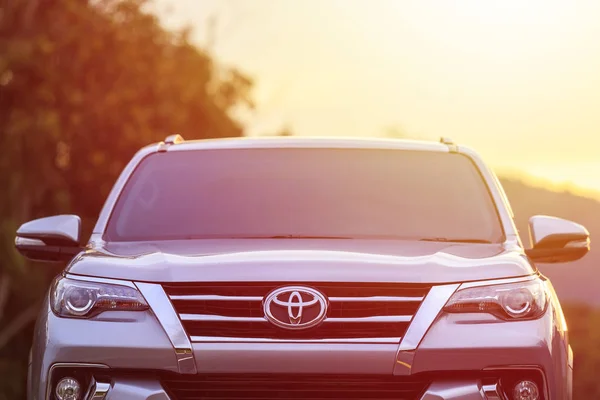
[(516, 80)]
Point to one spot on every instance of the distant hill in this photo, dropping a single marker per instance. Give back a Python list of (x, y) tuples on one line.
[(577, 281)]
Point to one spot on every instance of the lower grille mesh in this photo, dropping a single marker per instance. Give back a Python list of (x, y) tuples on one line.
[(266, 387)]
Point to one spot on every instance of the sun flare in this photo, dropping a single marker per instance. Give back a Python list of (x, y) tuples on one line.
[(517, 80)]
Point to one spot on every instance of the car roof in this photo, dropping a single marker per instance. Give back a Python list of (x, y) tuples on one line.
[(308, 142)]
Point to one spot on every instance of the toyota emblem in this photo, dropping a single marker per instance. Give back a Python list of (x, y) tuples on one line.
[(295, 307)]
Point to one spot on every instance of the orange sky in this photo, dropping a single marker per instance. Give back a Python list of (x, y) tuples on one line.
[(517, 80)]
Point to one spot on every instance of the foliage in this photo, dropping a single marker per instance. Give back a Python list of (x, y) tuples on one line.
[(584, 333), (83, 85)]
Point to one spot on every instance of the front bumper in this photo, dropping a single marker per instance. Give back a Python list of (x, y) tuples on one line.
[(133, 387), (464, 345), (151, 390)]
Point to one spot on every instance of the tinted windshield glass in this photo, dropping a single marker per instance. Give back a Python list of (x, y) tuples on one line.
[(350, 193)]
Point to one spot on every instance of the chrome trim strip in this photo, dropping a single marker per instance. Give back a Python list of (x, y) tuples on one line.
[(492, 392), (391, 299), (220, 339), (165, 313), (430, 308), (454, 390), (213, 297), (221, 318), (101, 280), (22, 241), (526, 278), (99, 390), (380, 318), (133, 388), (404, 362), (210, 297)]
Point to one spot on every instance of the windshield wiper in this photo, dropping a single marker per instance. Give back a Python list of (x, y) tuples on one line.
[(303, 237), (189, 237), (458, 240)]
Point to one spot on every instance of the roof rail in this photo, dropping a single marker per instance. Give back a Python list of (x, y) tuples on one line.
[(169, 140), (450, 143), (174, 139)]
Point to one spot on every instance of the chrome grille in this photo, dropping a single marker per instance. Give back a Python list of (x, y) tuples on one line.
[(219, 312)]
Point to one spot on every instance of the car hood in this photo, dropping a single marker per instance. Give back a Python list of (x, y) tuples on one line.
[(301, 260)]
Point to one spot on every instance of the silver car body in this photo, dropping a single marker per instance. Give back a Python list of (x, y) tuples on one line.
[(456, 352)]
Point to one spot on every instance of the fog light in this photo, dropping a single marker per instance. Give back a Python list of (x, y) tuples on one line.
[(68, 389), (526, 390)]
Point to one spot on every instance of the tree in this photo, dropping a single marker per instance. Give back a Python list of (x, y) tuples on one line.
[(285, 131), (83, 85)]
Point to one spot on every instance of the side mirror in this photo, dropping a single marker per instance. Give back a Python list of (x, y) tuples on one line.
[(50, 239), (556, 240)]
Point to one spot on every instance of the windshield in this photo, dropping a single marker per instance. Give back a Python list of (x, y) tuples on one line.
[(305, 192)]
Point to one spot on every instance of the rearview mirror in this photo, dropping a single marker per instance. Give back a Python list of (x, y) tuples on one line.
[(50, 239), (556, 240)]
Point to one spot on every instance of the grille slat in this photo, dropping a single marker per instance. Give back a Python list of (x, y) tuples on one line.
[(387, 299), (269, 331), (355, 311), (352, 320), (208, 297), (220, 339)]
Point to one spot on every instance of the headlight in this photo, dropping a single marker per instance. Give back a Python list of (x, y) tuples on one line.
[(80, 299), (513, 301)]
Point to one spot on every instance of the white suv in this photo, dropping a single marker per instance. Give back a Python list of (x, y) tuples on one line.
[(302, 268)]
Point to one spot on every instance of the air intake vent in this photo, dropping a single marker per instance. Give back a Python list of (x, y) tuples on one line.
[(294, 387)]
